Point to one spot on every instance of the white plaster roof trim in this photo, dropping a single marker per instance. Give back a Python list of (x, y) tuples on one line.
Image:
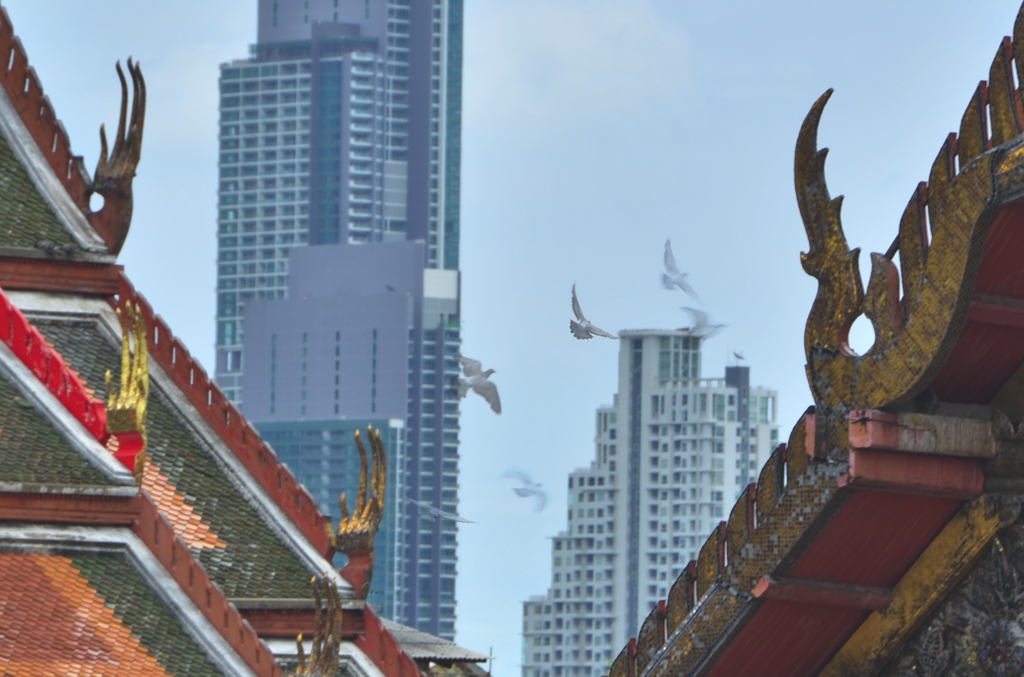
[(50, 408), (46, 182)]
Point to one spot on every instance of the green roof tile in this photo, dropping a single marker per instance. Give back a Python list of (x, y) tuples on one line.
[(255, 563), (142, 612), (32, 451), (25, 218)]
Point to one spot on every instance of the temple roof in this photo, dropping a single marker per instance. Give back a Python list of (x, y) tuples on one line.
[(191, 481), (849, 554), (197, 561), (28, 220), (93, 601), (32, 451), (422, 646)]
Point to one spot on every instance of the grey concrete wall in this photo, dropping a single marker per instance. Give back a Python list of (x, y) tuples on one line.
[(338, 296), (294, 21), (357, 270), (335, 339)]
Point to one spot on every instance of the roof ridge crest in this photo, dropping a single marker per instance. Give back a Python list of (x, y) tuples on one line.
[(22, 85), (48, 365)]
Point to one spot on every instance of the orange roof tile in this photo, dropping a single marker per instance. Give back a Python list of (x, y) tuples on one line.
[(186, 521), (53, 623)]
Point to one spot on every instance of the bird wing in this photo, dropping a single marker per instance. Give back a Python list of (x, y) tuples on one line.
[(430, 510), (542, 500), (670, 259), (712, 330), (601, 332), (489, 392), (469, 367), (685, 286), (422, 506), (579, 331), (700, 318), (453, 517), (576, 310)]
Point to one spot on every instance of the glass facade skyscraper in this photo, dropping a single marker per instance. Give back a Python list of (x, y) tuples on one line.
[(342, 128)]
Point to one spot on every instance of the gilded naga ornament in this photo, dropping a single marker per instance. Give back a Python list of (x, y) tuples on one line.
[(115, 172), (323, 656), (955, 242), (126, 408), (356, 531)]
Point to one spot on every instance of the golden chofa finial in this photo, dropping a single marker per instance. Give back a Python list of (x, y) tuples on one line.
[(356, 531), (126, 409), (323, 656)]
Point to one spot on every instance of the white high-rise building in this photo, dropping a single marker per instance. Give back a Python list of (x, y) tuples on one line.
[(673, 452)]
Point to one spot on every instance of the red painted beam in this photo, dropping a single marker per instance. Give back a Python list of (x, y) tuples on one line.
[(1004, 312), (913, 474), (289, 623), (871, 540), (922, 434), (822, 593), (59, 275), (69, 509)]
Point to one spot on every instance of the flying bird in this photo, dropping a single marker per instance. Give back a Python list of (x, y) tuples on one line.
[(477, 381), (738, 356), (529, 488), (435, 513), (701, 327), (582, 328), (672, 278)]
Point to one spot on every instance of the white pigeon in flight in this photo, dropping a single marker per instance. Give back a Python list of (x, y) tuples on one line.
[(477, 381), (583, 329), (701, 327), (529, 488), (672, 278), (435, 513)]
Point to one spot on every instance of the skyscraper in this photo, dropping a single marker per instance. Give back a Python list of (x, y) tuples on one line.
[(672, 452), (342, 130)]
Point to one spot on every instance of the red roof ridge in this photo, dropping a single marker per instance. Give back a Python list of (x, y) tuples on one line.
[(25, 91), (48, 365), (383, 649), (230, 425)]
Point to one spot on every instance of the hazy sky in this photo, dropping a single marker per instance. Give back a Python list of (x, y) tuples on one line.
[(594, 129)]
